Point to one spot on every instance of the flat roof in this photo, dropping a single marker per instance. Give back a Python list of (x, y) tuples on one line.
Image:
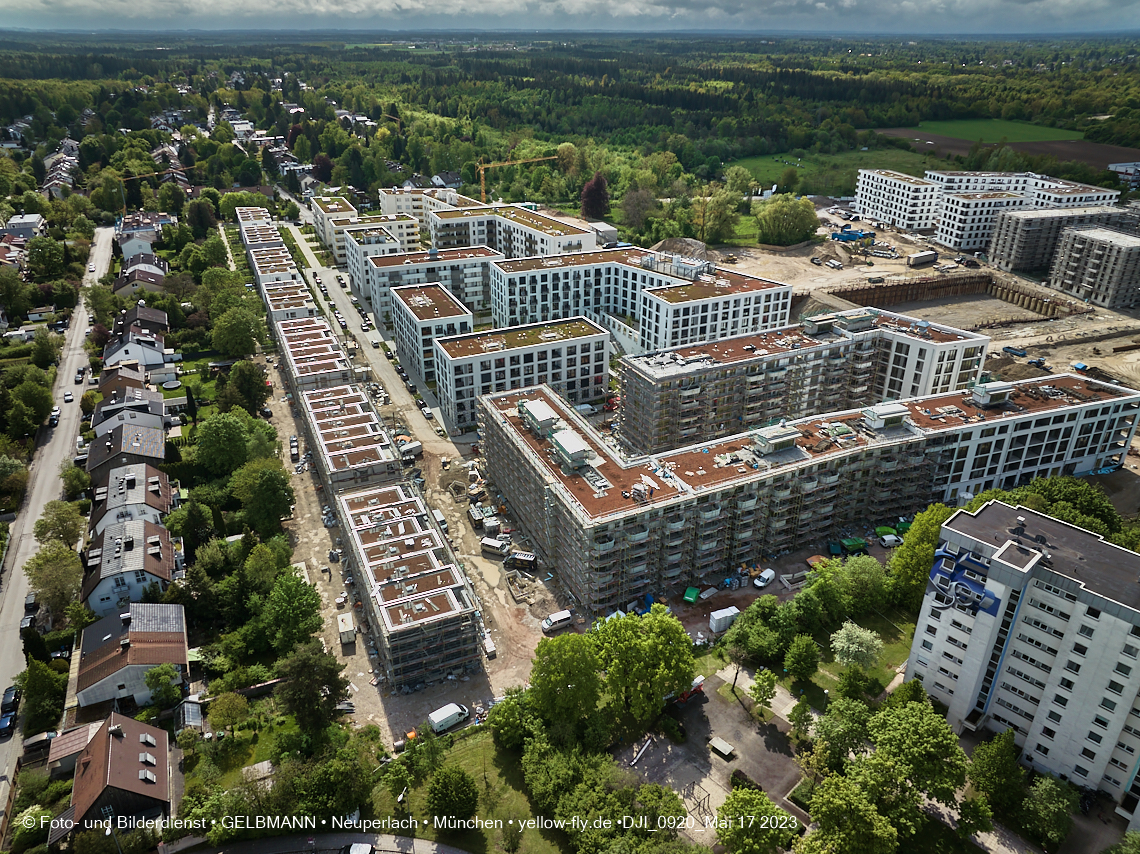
[(598, 488), (899, 176), (1111, 235), (523, 216), (706, 286), (1099, 566), (980, 195), (333, 204), (499, 340), (252, 214), (346, 428), (1061, 213), (311, 347), (428, 302), (432, 257)]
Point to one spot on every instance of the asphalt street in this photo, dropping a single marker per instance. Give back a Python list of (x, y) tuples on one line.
[(55, 445)]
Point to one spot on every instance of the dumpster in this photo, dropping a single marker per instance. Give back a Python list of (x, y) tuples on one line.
[(691, 594)]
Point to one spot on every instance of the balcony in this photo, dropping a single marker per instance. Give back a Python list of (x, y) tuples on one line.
[(746, 503), (687, 393), (782, 492), (710, 512), (604, 544), (888, 463), (673, 573), (916, 459), (807, 484), (675, 523), (823, 511), (673, 558), (638, 535), (829, 478), (637, 570), (743, 533), (708, 545)]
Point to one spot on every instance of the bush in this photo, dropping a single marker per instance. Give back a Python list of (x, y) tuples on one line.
[(672, 729), (802, 794), (740, 780)]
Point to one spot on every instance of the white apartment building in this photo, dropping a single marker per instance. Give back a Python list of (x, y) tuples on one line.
[(350, 445), (512, 230), (903, 201), (288, 301), (325, 209), (968, 220), (419, 203), (571, 356), (616, 528), (403, 230), (314, 355), (464, 272), (829, 362), (362, 241), (421, 314), (1033, 624), (252, 216), (649, 300)]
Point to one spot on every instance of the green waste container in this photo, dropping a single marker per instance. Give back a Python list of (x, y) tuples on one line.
[(691, 594)]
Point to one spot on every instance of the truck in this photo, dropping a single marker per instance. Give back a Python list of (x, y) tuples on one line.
[(494, 546), (921, 259), (476, 516), (411, 449), (440, 520), (585, 409), (347, 628), (1014, 351), (526, 561), (443, 719)]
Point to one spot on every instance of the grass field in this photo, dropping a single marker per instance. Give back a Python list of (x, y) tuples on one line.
[(994, 130), (834, 174)]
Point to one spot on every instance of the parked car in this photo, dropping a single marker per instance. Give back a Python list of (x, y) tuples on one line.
[(53, 421), (764, 578), (410, 386), (79, 378), (90, 268), (266, 412), (428, 414), (68, 397), (7, 725), (11, 701)]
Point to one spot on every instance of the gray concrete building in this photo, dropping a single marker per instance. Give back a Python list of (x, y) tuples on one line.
[(1098, 265)]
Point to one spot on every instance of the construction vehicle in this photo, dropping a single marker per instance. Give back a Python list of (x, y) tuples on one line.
[(483, 167), (1014, 351), (1038, 363), (847, 234)]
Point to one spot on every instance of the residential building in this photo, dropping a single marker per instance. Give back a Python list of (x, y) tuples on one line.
[(26, 226), (135, 408), (288, 301), (313, 354), (117, 379), (123, 561), (616, 528), (419, 203), (40, 314), (139, 279), (145, 349), (116, 652), (420, 315), (67, 747), (403, 230), (513, 230), (1128, 173), (1026, 240), (350, 444), (131, 245), (142, 319), (423, 612), (569, 356), (390, 234), (648, 300), (325, 209), (123, 446), (828, 363), (1031, 624), (900, 200), (146, 225), (146, 261), (967, 221), (136, 492), (465, 272), (272, 264), (122, 771), (1098, 265)]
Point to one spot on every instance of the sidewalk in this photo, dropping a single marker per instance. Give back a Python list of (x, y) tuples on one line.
[(781, 704), (303, 245)]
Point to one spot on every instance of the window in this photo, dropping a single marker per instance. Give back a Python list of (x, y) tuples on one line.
[(1048, 733), (1080, 771), (1115, 687), (148, 739), (1080, 649), (927, 645), (1061, 701), (1108, 705), (1130, 650), (932, 630), (1100, 721), (1054, 716), (147, 759), (1088, 754), (1042, 749), (1086, 630), (1093, 613), (1124, 670), (1073, 667)]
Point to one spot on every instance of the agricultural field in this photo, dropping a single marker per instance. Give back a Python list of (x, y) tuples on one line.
[(834, 174), (995, 130)]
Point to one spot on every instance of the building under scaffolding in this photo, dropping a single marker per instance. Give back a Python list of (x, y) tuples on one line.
[(1027, 240)]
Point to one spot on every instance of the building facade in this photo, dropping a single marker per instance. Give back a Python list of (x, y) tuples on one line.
[(350, 444), (900, 200), (967, 221), (1031, 624), (464, 272), (829, 363), (1026, 240), (617, 529), (1099, 265), (420, 315), (513, 230), (570, 356)]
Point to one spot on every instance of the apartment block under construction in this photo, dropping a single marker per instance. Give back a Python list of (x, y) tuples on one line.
[(1026, 240), (420, 604), (827, 363), (617, 529), (1098, 265)]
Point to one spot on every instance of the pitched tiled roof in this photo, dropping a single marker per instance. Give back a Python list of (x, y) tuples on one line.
[(114, 758)]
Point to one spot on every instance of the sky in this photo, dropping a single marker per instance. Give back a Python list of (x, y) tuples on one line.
[(933, 17)]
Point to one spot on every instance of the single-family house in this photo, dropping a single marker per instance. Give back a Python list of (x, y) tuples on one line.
[(143, 318), (40, 314), (122, 562), (145, 348), (67, 746), (131, 492), (451, 180), (118, 378), (147, 413), (146, 261), (124, 445), (131, 245), (116, 652), (26, 226), (138, 279), (145, 224)]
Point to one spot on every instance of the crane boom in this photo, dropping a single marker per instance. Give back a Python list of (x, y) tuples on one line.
[(483, 167)]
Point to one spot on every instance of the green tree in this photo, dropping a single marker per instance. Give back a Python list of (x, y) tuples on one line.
[(44, 350), (312, 686), (714, 216), (921, 743), (853, 683), (974, 816), (87, 403), (785, 221), (995, 772), (246, 387), (1047, 812), (843, 728), (740, 182), (749, 823), (34, 396), (171, 197), (851, 644), (847, 822), (452, 792), (61, 522), (79, 616), (45, 259), (801, 718), (34, 645), (646, 658), (163, 680), (55, 573), (789, 178), (1130, 844), (398, 780), (236, 333), (511, 720), (763, 689), (44, 695), (564, 679), (264, 490), (292, 612), (201, 216), (909, 565), (228, 710), (222, 443), (191, 404), (802, 660)]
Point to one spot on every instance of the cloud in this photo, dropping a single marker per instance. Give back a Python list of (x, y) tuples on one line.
[(941, 17)]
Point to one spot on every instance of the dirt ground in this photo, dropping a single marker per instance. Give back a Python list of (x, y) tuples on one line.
[(965, 311), (1096, 154)]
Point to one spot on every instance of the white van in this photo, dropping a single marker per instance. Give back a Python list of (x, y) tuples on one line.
[(765, 578), (556, 621), (445, 718), (440, 520)]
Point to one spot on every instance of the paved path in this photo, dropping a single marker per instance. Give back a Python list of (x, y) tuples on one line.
[(322, 842), (781, 704)]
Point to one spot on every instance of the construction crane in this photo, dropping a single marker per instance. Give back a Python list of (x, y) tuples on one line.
[(483, 167)]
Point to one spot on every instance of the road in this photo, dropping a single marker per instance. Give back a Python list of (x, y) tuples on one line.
[(55, 446), (306, 213)]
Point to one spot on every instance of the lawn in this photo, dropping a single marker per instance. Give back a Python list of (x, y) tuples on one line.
[(834, 174), (994, 130), (240, 750), (501, 795)]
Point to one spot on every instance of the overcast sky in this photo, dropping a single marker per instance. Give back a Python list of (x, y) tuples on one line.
[(935, 17)]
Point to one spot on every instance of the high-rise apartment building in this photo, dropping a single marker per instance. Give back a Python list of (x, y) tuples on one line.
[(1098, 265)]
